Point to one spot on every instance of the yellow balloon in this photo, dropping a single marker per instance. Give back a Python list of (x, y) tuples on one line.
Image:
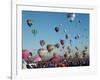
[(50, 47)]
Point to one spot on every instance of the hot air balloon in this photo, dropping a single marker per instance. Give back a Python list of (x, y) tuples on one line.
[(76, 48), (69, 49), (60, 24), (29, 22), (66, 36), (57, 29), (65, 30), (79, 21), (75, 37), (86, 47), (57, 45), (42, 42), (50, 47), (78, 36), (34, 32), (71, 16), (42, 52), (55, 59), (37, 59), (25, 54), (70, 42), (62, 42)]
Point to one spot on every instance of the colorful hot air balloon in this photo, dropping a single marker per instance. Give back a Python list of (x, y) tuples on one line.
[(71, 16), (78, 36), (25, 54), (34, 32), (76, 48), (57, 29), (37, 59), (79, 21), (42, 42), (66, 36), (42, 52), (29, 22), (62, 42), (86, 47), (57, 45), (70, 42), (50, 47), (65, 30)]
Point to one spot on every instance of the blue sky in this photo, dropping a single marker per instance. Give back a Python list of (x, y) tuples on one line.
[(45, 23)]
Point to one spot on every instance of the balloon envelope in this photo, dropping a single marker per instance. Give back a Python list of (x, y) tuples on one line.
[(34, 32), (62, 42), (71, 16), (66, 36), (25, 54), (29, 22), (42, 52), (57, 45), (57, 29), (42, 42), (37, 59), (50, 47)]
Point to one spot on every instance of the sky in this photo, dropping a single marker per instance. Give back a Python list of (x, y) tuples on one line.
[(45, 23)]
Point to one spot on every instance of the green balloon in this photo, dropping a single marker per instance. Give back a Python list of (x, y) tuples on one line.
[(34, 32)]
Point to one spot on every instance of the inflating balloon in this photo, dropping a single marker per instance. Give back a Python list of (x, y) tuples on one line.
[(57, 29), (29, 22), (50, 47), (42, 42), (34, 32), (71, 16)]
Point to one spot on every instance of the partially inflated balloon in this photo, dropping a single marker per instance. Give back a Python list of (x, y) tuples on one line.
[(50, 47), (29, 22)]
